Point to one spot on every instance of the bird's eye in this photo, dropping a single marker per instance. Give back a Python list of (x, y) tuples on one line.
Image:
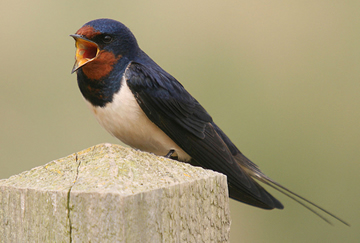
[(107, 39)]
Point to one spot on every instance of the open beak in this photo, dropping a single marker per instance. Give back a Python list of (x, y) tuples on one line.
[(86, 51)]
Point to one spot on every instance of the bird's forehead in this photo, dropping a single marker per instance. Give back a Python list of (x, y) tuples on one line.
[(88, 31)]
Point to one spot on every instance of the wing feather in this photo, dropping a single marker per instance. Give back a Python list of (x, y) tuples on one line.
[(168, 105)]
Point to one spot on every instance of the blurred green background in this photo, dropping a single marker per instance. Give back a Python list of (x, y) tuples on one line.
[(281, 78)]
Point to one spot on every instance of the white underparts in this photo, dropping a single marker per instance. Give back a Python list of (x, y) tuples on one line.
[(124, 119)]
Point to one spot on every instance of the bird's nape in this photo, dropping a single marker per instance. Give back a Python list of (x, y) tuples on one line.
[(141, 104)]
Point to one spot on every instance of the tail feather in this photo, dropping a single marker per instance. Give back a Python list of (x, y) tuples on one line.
[(254, 171), (296, 197), (265, 201)]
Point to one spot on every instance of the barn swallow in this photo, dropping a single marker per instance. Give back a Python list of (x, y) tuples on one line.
[(145, 107)]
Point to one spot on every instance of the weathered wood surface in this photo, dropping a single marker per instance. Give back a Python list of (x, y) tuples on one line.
[(108, 193)]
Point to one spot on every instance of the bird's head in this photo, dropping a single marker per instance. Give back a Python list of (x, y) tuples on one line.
[(100, 44)]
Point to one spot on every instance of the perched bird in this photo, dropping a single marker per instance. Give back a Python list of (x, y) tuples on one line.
[(145, 107)]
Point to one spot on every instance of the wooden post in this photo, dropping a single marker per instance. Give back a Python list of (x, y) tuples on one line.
[(109, 193)]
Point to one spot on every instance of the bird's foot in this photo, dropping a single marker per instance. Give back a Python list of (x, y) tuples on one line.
[(170, 153)]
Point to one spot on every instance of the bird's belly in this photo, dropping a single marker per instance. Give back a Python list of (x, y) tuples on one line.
[(124, 119)]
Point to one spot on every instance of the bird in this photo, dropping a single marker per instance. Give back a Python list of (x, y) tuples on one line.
[(145, 107)]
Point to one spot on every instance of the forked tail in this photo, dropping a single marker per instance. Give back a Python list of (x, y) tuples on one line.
[(296, 197)]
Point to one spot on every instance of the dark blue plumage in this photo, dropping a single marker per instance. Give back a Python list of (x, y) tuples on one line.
[(147, 108)]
